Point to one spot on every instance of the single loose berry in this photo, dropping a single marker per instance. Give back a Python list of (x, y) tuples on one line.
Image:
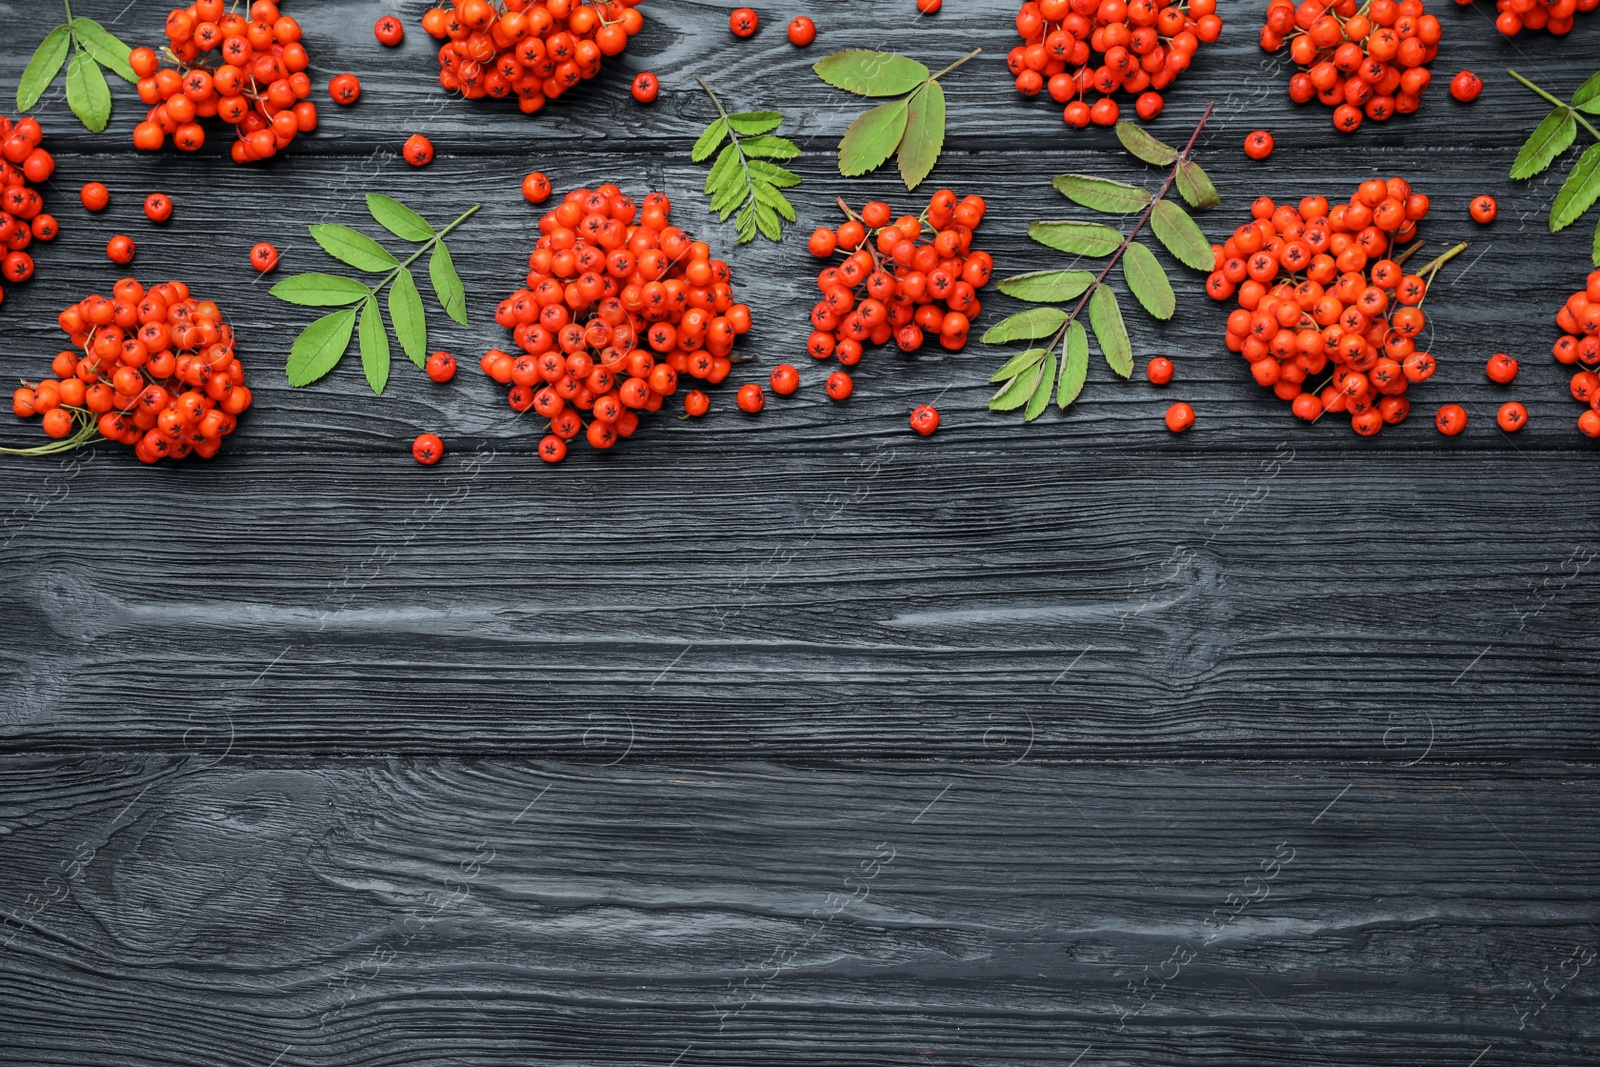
[(1159, 370), (1451, 419), (441, 366), (743, 22), (389, 30), (1466, 86), (121, 249), (345, 89), (1484, 209), (418, 150), (1502, 368), (750, 398), (1180, 417), (696, 403), (925, 419), (929, 7), (802, 31), (552, 449), (536, 188), (263, 257), (840, 386), (427, 448), (645, 87), (785, 379), (95, 196), (158, 207), (1258, 145), (1512, 416)]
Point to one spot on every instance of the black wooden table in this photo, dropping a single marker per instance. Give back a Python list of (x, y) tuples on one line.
[(799, 738)]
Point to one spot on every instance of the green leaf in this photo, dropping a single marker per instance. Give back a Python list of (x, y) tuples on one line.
[(1019, 390), (773, 199), (872, 138), (1144, 146), (1047, 286), (1102, 194), (398, 219), (1148, 281), (107, 50), (1174, 228), (88, 95), (724, 170), (1587, 98), (774, 174), (1579, 192), (43, 67), (746, 223), (1106, 319), (750, 123), (924, 136), (869, 73), (767, 220), (316, 290), (1017, 364), (709, 140), (1074, 363), (1549, 139), (447, 287), (318, 348), (409, 318), (1594, 255), (1078, 238), (1025, 326), (1041, 393), (769, 147), (730, 197), (374, 346), (1195, 185), (353, 248)]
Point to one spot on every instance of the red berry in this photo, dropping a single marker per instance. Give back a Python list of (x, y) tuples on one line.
[(645, 87), (158, 207), (1451, 419), (120, 249), (696, 403), (345, 89), (95, 196), (929, 7), (823, 242), (389, 30), (750, 398), (1258, 145), (1483, 209), (441, 366), (552, 449), (1466, 86), (802, 31), (1180, 417), (418, 150), (263, 257), (1502, 368), (840, 385), (427, 449), (1159, 370), (1512, 416), (743, 22), (785, 379), (925, 419), (536, 188)]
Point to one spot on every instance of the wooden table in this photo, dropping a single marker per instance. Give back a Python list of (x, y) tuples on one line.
[(800, 738)]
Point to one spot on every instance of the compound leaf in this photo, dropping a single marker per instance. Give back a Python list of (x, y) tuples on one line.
[(869, 73)]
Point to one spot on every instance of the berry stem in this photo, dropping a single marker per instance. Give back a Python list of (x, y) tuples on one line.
[(1558, 103), (1430, 269), (956, 64), (87, 431)]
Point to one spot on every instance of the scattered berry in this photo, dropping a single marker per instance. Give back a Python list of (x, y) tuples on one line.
[(1466, 86), (389, 30), (750, 398), (552, 449), (95, 196), (441, 366), (345, 89), (925, 419), (536, 188), (785, 379), (418, 150), (1483, 209), (1451, 419), (840, 386), (929, 7), (802, 31), (645, 87), (264, 257), (696, 403), (1502, 368), (1159, 370), (743, 22), (121, 249), (1180, 417), (158, 207), (427, 449), (1512, 416), (1258, 145)]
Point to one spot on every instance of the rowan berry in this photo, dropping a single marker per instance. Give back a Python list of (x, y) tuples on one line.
[(389, 30), (1511, 417), (1104, 112), (785, 379), (264, 257), (1159, 370), (1483, 209), (1258, 145), (427, 449), (743, 22), (1466, 86), (750, 398), (536, 188), (441, 366), (929, 7), (552, 449), (1501, 368), (840, 385), (120, 249), (696, 403), (345, 89), (1589, 423), (823, 242), (95, 196), (925, 419), (158, 207), (645, 87), (1451, 419), (418, 150), (802, 31), (1180, 417)]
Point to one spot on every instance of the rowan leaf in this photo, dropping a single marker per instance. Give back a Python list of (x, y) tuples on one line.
[(1147, 148), (1077, 238), (104, 46), (924, 136), (768, 222), (318, 348), (374, 342), (872, 138), (1579, 192), (751, 123), (1553, 136), (771, 197), (1102, 194), (409, 318), (726, 167), (318, 290), (1195, 185), (1025, 326), (714, 135), (1074, 363), (1041, 393), (773, 174), (1105, 317), (88, 95), (398, 219), (1017, 364), (1047, 286), (869, 73), (43, 67), (353, 248), (447, 287), (1594, 254), (1019, 390), (1174, 228), (746, 223), (730, 197), (767, 147), (1147, 281), (1587, 98)]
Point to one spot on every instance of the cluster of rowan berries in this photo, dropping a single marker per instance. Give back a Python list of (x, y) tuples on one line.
[(22, 216), (1363, 60), (1316, 286), (534, 49), (156, 371), (259, 86), (1579, 319), (902, 279), (619, 304), (1073, 47), (1553, 15)]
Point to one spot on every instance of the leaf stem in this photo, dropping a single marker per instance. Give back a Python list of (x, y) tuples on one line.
[(435, 239), (1558, 103), (956, 64)]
